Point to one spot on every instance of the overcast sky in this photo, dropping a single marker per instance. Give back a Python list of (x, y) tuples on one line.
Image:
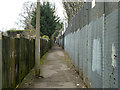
[(10, 9)]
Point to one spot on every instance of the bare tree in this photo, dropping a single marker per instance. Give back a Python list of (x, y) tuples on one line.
[(75, 6), (25, 15)]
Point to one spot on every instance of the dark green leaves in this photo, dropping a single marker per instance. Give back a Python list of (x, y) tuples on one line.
[(48, 20)]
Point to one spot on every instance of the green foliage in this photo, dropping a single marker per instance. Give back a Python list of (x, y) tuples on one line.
[(45, 37), (15, 30), (49, 22), (41, 34)]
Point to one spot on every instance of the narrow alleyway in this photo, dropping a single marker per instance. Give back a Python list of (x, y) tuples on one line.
[(57, 72)]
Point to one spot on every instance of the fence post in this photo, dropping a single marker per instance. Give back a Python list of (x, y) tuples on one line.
[(0, 61), (12, 63)]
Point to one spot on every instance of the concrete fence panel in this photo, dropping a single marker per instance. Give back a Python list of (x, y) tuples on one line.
[(0, 61), (93, 44)]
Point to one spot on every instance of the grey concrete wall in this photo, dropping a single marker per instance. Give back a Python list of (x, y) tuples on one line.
[(94, 44), (111, 50), (0, 62), (119, 43)]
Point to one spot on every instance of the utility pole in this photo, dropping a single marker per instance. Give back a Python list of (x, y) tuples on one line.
[(37, 41)]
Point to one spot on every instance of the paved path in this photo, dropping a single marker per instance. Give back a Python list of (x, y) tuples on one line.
[(56, 72)]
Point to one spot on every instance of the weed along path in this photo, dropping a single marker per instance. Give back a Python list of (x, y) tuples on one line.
[(56, 72)]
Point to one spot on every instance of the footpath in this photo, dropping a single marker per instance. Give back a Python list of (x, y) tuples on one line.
[(56, 72)]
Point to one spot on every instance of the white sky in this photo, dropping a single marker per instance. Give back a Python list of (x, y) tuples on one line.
[(10, 9)]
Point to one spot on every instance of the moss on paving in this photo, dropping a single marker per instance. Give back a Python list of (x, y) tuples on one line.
[(31, 74), (66, 59), (43, 58), (27, 79)]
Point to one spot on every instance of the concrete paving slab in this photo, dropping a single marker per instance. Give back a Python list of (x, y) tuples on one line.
[(56, 72)]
